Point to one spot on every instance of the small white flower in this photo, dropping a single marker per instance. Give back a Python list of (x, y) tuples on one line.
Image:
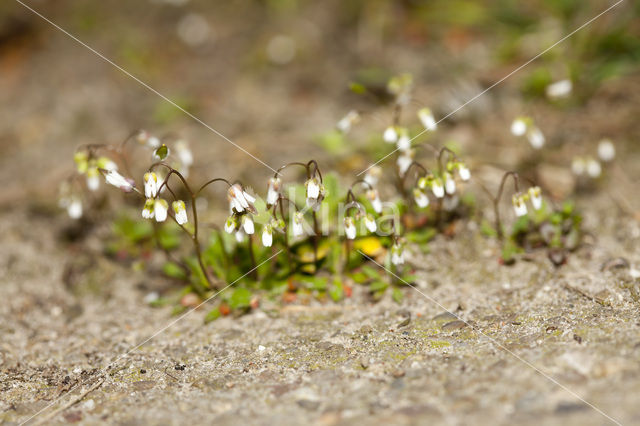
[(464, 172), (374, 198), (535, 195), (116, 179), (74, 209), (313, 188), (106, 163), (247, 224), (273, 190), (449, 184), (426, 118), (578, 166), (344, 125), (519, 205), (404, 161), (180, 212), (160, 208), (536, 138), (240, 200), (593, 168), (93, 178), (390, 135), (231, 224), (397, 254), (148, 209), (349, 228), (606, 150), (296, 225), (519, 126), (421, 198), (184, 153), (404, 142), (267, 236), (559, 89), (150, 185), (240, 235), (153, 142), (437, 188), (373, 175), (370, 223)]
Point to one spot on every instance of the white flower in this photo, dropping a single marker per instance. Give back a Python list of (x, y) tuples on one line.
[(404, 143), (421, 198), (247, 224), (148, 209), (116, 179), (267, 236), (535, 194), (93, 178), (449, 183), (404, 161), (231, 224), (74, 208), (397, 254), (240, 200), (184, 153), (180, 212), (606, 150), (370, 223), (536, 138), (372, 175), (519, 126), (464, 172), (240, 235), (437, 188), (150, 184), (296, 225), (160, 208), (344, 125), (153, 142), (273, 190), (313, 188), (593, 168), (374, 198), (578, 166), (559, 89), (390, 134), (426, 118), (349, 228), (519, 205), (106, 163)]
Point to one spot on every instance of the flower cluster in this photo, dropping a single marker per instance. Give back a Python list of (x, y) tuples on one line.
[(524, 126), (519, 200), (590, 166)]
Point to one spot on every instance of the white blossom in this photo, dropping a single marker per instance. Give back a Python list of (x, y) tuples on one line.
[(247, 224), (464, 172), (578, 166), (397, 254), (404, 161), (421, 198), (559, 89), (437, 188), (606, 150), (374, 198), (116, 179), (404, 142), (519, 126), (231, 224), (150, 184), (74, 208), (593, 168), (313, 188), (180, 212), (345, 123), (296, 225), (273, 190), (535, 195), (372, 175), (240, 200), (160, 208), (148, 209), (536, 138), (370, 223), (390, 134), (93, 179), (426, 118), (267, 236), (240, 234), (449, 184), (519, 206), (349, 228)]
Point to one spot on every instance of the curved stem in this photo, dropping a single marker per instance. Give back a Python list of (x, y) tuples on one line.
[(496, 200)]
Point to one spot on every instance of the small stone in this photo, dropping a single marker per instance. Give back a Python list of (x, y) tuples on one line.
[(143, 371), (398, 373), (404, 322), (444, 317), (180, 367), (615, 263), (308, 404), (454, 325)]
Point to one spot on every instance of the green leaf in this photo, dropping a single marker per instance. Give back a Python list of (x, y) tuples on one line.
[(240, 299), (212, 315), (397, 295), (487, 229), (376, 286), (173, 270), (357, 88), (336, 292)]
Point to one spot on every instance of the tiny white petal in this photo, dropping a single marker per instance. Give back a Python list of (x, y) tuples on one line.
[(437, 188), (518, 127), (160, 209), (349, 228), (464, 173), (247, 224), (75, 209), (390, 135), (559, 89), (606, 150), (370, 223), (267, 237), (427, 119), (449, 184), (536, 138), (593, 168), (93, 182)]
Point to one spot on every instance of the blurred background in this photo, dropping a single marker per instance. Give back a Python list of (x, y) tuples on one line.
[(274, 76)]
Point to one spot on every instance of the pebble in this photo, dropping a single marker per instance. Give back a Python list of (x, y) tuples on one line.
[(444, 317), (454, 325)]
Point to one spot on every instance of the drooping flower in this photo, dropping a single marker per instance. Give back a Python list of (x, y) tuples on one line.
[(404, 142), (404, 161), (247, 224), (349, 227), (148, 209), (559, 89), (180, 212), (370, 223), (296, 224), (421, 198), (437, 188), (231, 224), (464, 172), (93, 178), (267, 235), (449, 183), (397, 254), (519, 206), (74, 208), (313, 188), (372, 175), (578, 166), (160, 208), (594, 169), (535, 195), (426, 118), (519, 126), (390, 135), (240, 200), (536, 138), (150, 184), (273, 190), (116, 179), (240, 234), (606, 150), (374, 198)]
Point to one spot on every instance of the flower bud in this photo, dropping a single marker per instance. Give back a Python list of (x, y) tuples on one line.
[(116, 179), (349, 228), (296, 224), (536, 138), (267, 236), (150, 184), (535, 195), (160, 209), (519, 126), (374, 198), (273, 190), (231, 224), (390, 135), (606, 150), (426, 118), (421, 198), (397, 254), (437, 188), (180, 212), (449, 183), (519, 206), (247, 224), (370, 223)]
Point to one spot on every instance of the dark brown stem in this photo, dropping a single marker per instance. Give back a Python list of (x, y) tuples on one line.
[(496, 200), (286, 233)]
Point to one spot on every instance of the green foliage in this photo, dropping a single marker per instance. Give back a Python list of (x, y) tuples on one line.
[(240, 298)]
